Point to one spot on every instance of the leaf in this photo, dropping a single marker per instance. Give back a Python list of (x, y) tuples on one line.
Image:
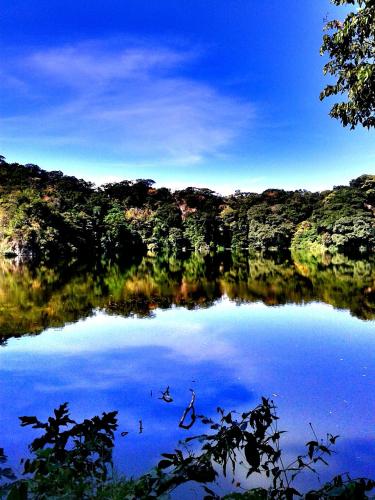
[(289, 492), (18, 491), (228, 418), (164, 464), (324, 449), (210, 492), (252, 454), (168, 455), (312, 445), (206, 420), (8, 473), (332, 439), (29, 421)]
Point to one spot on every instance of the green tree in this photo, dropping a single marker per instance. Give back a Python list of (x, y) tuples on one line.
[(117, 236), (350, 46)]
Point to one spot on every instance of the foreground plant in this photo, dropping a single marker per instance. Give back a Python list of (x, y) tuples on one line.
[(70, 459), (74, 460)]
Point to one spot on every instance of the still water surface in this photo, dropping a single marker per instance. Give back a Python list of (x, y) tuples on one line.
[(233, 328)]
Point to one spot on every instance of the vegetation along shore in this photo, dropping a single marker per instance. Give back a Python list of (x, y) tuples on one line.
[(47, 215)]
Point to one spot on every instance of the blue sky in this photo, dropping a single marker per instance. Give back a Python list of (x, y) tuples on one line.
[(218, 93)]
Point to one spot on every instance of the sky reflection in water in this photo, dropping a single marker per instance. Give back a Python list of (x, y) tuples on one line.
[(318, 363)]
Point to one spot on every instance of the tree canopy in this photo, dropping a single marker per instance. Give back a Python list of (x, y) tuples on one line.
[(350, 46), (47, 215)]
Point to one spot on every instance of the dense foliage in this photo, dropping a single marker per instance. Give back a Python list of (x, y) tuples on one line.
[(48, 215), (74, 460), (350, 46), (342, 221)]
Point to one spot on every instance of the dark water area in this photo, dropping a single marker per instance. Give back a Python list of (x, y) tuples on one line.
[(233, 327)]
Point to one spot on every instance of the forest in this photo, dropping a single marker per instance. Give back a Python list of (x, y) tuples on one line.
[(49, 215)]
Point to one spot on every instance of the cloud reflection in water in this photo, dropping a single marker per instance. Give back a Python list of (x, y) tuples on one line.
[(317, 360)]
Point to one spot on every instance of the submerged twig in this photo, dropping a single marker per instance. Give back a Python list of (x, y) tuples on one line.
[(189, 411), (165, 396)]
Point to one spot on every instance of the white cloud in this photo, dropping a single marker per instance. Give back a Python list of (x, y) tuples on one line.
[(84, 64), (132, 103)]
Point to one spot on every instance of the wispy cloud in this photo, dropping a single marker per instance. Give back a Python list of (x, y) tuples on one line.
[(134, 102), (94, 63)]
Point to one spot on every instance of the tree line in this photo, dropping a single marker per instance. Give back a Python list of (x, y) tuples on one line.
[(50, 215)]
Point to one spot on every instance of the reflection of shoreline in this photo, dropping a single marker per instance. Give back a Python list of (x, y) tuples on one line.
[(35, 298)]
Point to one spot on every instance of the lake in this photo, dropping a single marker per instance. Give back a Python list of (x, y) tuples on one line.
[(233, 327)]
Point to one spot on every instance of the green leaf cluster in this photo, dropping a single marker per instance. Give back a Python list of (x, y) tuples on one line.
[(350, 47)]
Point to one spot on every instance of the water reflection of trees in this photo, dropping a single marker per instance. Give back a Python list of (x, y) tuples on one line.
[(34, 298)]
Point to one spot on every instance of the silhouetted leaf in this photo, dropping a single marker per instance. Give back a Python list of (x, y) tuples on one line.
[(252, 454)]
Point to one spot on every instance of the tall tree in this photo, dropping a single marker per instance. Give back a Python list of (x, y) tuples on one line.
[(350, 46)]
